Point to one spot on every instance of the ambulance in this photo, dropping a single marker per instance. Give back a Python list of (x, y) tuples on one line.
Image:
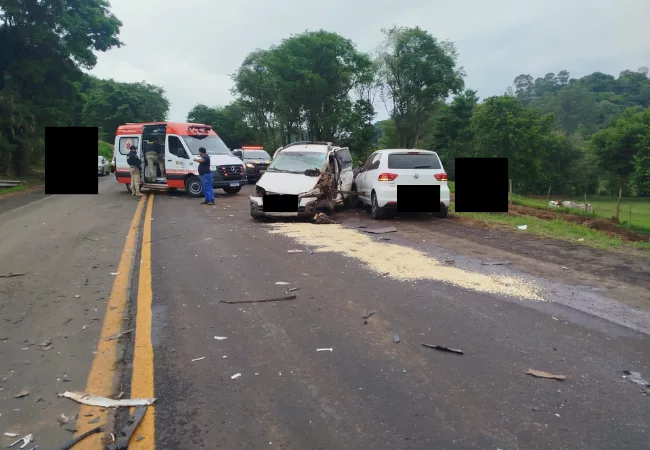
[(179, 143)]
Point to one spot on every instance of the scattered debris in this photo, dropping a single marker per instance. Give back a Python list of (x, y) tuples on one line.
[(115, 273), (95, 400), (396, 338), (565, 268), (198, 359), (362, 226), (78, 439), (323, 219), (63, 419), (139, 438), (635, 377), (21, 394), (25, 440), (381, 230), (220, 338), (10, 435), (77, 296), (95, 420), (450, 261), (324, 350), (367, 316), (122, 441), (120, 395), (235, 376), (522, 227), (496, 263), (67, 321), (118, 335), (541, 374), (442, 348), (581, 240), (385, 238), (295, 251), (87, 238), (279, 299), (282, 283), (11, 275)]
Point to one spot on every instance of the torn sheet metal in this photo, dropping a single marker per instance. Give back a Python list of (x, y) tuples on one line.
[(78, 439), (25, 440), (95, 400)]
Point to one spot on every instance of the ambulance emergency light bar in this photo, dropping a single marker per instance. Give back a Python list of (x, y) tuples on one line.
[(252, 147)]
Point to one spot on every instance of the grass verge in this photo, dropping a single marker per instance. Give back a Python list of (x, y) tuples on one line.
[(556, 229), (36, 178), (105, 149)]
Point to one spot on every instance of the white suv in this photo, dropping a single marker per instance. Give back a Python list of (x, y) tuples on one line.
[(384, 170)]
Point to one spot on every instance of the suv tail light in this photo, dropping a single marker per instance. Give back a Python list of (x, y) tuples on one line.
[(441, 176), (387, 176)]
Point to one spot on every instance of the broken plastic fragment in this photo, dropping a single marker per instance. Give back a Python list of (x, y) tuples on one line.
[(11, 434), (220, 338), (25, 440), (635, 377), (281, 282), (198, 359), (95, 400), (21, 394), (522, 227), (324, 350), (235, 376), (295, 251)]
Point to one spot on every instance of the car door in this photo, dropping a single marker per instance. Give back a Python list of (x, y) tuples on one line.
[(345, 177), (362, 179), (177, 161), (371, 175)]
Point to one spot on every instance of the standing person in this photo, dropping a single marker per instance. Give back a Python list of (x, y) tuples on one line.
[(206, 176), (161, 158), (152, 159), (135, 166)]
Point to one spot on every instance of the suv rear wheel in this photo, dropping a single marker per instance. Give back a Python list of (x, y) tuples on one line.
[(443, 212), (375, 210)]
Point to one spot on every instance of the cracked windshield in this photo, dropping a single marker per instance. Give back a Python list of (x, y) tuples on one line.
[(352, 225)]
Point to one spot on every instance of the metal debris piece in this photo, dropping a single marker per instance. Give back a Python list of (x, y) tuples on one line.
[(323, 219), (380, 230), (118, 335), (139, 438), (541, 374), (11, 435), (198, 359), (122, 441), (445, 349), (279, 299), (324, 350), (95, 420), (235, 376), (95, 400), (21, 394), (295, 251), (11, 275), (396, 338), (282, 283), (63, 419), (70, 429), (635, 377), (25, 440), (293, 289), (49, 347), (115, 273), (565, 268), (496, 263), (120, 395), (366, 316), (220, 338)]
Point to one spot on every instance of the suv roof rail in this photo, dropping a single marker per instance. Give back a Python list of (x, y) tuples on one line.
[(329, 144)]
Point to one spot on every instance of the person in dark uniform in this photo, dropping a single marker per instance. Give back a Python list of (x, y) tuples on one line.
[(206, 177), (135, 167)]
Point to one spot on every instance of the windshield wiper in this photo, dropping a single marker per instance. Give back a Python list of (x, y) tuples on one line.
[(279, 170), (422, 167)]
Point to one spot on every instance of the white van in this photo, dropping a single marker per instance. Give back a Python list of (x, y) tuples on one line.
[(180, 143), (316, 175)]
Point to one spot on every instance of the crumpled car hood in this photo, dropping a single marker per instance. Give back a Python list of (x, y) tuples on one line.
[(287, 183)]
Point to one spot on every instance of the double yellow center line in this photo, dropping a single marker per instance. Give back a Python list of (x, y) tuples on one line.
[(105, 371)]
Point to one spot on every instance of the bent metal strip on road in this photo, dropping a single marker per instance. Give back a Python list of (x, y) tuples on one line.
[(102, 377), (142, 379)]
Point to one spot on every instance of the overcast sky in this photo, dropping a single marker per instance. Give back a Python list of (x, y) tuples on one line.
[(190, 47)]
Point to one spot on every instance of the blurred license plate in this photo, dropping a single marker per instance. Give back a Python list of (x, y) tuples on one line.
[(234, 184)]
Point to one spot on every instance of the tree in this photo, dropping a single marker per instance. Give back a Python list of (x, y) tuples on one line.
[(43, 45), (110, 104), (617, 147), (418, 74), (228, 121), (504, 127)]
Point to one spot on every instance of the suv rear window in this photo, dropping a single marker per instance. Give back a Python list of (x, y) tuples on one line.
[(413, 161)]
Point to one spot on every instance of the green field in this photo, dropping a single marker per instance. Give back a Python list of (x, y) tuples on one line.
[(604, 207), (105, 149)]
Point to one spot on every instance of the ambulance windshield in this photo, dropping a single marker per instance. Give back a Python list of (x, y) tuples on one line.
[(212, 144)]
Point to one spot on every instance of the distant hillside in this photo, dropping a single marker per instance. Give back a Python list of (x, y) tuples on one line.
[(105, 149)]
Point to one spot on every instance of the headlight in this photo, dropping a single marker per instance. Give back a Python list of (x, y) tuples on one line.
[(312, 193), (250, 165)]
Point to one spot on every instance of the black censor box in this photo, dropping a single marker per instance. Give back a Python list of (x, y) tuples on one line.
[(280, 203), (70, 158), (418, 198), (481, 185)]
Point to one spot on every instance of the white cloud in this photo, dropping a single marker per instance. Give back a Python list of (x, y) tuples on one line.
[(191, 47)]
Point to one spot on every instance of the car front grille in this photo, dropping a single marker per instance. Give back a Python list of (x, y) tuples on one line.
[(230, 172)]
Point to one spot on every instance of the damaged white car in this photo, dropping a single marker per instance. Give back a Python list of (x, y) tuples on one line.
[(303, 179)]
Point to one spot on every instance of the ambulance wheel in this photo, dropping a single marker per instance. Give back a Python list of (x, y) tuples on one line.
[(232, 190), (193, 187), (128, 188)]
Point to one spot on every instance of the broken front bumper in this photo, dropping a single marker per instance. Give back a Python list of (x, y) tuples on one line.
[(306, 208)]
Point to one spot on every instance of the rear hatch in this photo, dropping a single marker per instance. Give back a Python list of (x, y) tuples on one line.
[(416, 168)]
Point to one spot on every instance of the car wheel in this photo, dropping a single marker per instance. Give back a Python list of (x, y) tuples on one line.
[(232, 190), (352, 201), (375, 210), (443, 212), (193, 187)]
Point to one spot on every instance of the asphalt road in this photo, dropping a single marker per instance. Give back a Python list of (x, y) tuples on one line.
[(368, 392)]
